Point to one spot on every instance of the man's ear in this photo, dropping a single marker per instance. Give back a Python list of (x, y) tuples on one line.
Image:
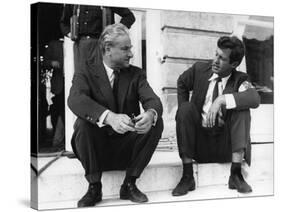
[(107, 49), (234, 64)]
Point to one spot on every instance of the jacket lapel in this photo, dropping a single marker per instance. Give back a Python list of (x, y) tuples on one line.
[(124, 80), (229, 85), (102, 80), (204, 82)]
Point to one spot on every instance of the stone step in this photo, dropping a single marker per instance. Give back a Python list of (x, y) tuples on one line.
[(260, 188), (64, 182)]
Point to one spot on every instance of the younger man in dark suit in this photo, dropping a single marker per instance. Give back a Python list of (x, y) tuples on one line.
[(104, 95), (214, 126)]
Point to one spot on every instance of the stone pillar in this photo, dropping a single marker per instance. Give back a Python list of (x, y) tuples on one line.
[(136, 39), (154, 50), (68, 74)]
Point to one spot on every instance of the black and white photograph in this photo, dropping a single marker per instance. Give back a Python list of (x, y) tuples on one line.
[(135, 106), (138, 105)]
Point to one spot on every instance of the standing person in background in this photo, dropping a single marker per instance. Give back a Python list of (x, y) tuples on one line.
[(214, 125), (91, 21), (53, 60)]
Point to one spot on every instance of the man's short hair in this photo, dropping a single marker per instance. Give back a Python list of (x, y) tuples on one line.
[(235, 45), (110, 33)]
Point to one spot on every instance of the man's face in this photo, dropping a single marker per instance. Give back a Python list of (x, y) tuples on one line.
[(221, 65), (120, 54)]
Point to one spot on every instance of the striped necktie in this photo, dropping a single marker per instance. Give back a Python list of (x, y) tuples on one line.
[(115, 87), (216, 89)]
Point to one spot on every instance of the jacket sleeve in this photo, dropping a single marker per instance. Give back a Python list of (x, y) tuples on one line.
[(127, 17), (65, 19), (247, 99), (147, 97), (79, 100), (185, 85)]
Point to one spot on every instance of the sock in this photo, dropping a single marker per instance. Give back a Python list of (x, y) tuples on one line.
[(96, 185), (187, 169), (235, 168), (130, 179)]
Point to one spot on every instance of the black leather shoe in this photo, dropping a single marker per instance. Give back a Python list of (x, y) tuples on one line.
[(186, 184), (237, 182), (130, 191), (92, 197)]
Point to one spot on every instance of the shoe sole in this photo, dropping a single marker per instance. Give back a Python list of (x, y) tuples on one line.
[(233, 187), (126, 197), (99, 199), (190, 189)]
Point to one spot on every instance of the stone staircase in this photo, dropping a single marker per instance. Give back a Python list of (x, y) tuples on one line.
[(62, 184)]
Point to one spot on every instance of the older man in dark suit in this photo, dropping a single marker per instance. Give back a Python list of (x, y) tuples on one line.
[(214, 126), (105, 95)]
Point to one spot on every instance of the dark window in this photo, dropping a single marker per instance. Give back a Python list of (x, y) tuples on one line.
[(258, 38), (45, 18), (259, 63)]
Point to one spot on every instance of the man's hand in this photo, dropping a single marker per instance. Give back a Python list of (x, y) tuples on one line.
[(214, 111), (120, 123), (144, 122)]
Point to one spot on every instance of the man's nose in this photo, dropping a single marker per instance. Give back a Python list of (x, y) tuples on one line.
[(216, 61), (130, 54)]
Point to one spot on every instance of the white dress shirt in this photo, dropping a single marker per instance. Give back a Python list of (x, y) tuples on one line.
[(229, 98), (111, 77)]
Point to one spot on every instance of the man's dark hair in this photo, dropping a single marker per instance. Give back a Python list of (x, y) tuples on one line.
[(236, 46)]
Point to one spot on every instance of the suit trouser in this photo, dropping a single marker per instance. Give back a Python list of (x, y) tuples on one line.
[(83, 50), (216, 144), (98, 150)]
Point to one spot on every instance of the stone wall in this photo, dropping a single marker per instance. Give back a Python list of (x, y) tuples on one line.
[(187, 37)]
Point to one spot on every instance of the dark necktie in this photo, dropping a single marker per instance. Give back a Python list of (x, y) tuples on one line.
[(115, 87), (216, 89)]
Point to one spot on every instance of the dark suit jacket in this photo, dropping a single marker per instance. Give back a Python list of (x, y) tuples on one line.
[(195, 79), (91, 93)]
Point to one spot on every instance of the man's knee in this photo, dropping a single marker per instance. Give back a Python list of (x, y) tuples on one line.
[(159, 124), (186, 109), (157, 129), (82, 126), (155, 132), (240, 118)]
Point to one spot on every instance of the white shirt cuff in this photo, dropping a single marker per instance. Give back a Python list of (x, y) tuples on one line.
[(101, 118), (230, 101)]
